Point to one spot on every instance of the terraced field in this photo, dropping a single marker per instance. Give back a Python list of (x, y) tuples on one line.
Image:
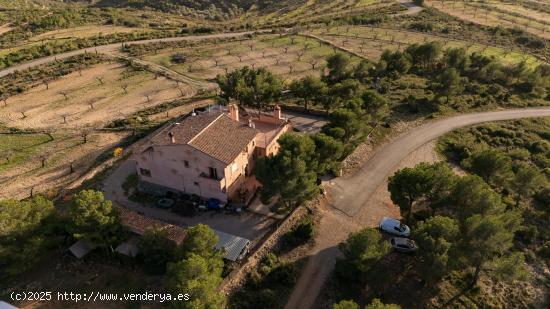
[(372, 41), (313, 9), (500, 13), (60, 122), (290, 57)]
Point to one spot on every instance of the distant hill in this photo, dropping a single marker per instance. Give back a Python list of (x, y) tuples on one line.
[(213, 8)]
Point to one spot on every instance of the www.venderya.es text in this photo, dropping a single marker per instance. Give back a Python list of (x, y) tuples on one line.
[(98, 296)]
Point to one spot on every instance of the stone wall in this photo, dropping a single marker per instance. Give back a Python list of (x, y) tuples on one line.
[(238, 277)]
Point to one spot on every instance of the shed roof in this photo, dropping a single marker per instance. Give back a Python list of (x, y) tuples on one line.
[(232, 244), (129, 247), (80, 248)]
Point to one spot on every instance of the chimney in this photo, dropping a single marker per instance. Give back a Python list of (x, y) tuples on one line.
[(234, 111), (277, 112), (172, 138), (251, 123)]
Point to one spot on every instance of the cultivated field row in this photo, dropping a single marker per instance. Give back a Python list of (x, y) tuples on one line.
[(371, 42), (290, 57), (496, 13)]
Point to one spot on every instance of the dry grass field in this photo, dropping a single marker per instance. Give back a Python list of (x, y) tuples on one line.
[(499, 13), (372, 41), (289, 57)]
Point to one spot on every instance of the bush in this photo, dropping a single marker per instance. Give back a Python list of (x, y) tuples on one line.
[(156, 250), (543, 196), (544, 251), (527, 234), (300, 234), (540, 147), (422, 26), (178, 58)]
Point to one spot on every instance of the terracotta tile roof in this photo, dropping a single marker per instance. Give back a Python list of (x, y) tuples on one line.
[(186, 129), (139, 224), (224, 139), (214, 133)]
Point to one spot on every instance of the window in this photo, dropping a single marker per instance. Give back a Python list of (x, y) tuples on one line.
[(213, 172), (145, 172), (186, 163)]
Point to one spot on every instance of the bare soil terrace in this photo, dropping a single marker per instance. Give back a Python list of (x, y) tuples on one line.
[(496, 13), (290, 57), (62, 120)]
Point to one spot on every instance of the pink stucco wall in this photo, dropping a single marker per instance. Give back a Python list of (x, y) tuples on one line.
[(166, 165), (273, 146)]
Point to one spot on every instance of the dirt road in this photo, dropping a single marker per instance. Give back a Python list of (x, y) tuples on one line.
[(349, 197), (411, 7), (114, 47)]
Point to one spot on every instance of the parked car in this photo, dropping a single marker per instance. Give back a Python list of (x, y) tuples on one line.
[(395, 227), (165, 203), (232, 208), (214, 204), (403, 244)]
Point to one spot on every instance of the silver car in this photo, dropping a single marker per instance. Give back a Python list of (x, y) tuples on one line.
[(402, 244), (395, 227)]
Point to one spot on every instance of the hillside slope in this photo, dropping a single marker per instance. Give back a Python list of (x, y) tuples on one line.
[(212, 8)]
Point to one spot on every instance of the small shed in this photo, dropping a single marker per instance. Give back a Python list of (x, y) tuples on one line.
[(235, 247), (129, 248), (80, 248)]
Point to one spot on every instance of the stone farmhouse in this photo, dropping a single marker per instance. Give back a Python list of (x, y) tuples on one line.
[(211, 153)]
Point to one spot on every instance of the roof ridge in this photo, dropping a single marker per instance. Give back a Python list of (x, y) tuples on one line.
[(204, 129)]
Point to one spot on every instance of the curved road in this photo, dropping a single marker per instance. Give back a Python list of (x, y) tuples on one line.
[(349, 197), (411, 7), (114, 47)]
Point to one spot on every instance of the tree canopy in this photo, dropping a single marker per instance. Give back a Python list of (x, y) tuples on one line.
[(362, 252), (291, 173), (199, 270), (337, 66), (436, 237), (24, 234), (94, 218), (200, 240), (252, 87), (309, 89), (199, 277), (492, 165)]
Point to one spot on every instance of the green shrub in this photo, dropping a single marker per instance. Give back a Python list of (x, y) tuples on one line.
[(300, 234), (544, 251), (422, 26), (527, 234), (543, 196)]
